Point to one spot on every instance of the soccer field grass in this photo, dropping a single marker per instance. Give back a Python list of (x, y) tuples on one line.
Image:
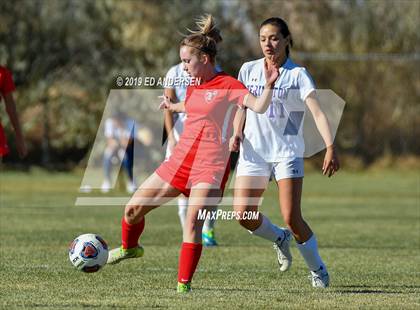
[(367, 225)]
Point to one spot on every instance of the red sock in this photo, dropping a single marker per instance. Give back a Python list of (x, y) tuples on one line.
[(188, 260), (130, 233)]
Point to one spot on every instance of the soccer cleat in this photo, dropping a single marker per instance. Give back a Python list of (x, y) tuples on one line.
[(106, 186), (119, 254), (208, 238), (319, 278), (131, 187), (183, 287), (282, 247)]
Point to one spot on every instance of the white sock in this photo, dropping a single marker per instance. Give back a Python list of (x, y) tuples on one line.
[(209, 223), (182, 209), (309, 251), (267, 230)]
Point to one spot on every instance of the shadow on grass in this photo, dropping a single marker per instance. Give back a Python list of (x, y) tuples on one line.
[(364, 247), (365, 289), (382, 286), (232, 290)]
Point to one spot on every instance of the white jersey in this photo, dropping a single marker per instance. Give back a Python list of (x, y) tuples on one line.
[(175, 72), (277, 133)]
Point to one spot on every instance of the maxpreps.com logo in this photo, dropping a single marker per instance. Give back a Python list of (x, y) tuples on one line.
[(210, 95)]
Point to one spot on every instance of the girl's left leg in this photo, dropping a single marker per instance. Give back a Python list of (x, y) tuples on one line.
[(248, 191), (202, 197), (290, 193)]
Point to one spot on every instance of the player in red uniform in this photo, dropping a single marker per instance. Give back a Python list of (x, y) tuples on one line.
[(198, 166), (6, 90)]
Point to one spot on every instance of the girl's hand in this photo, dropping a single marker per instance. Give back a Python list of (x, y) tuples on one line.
[(235, 142), (166, 102), (331, 163), (271, 71)]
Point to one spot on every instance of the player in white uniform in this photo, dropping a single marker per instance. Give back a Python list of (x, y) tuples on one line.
[(273, 145), (120, 132), (175, 89)]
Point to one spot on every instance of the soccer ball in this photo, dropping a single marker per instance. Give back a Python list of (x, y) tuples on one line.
[(88, 252)]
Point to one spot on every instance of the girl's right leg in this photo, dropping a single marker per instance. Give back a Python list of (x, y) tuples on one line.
[(247, 194), (151, 194), (208, 227)]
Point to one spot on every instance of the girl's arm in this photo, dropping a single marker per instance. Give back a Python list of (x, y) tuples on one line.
[(331, 163), (260, 104), (168, 117), (238, 125), (177, 107), (173, 107)]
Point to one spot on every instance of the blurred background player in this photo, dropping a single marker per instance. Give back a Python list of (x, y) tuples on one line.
[(273, 144), (6, 90), (175, 89), (120, 133)]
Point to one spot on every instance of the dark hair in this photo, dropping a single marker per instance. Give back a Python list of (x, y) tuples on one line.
[(283, 28), (204, 39)]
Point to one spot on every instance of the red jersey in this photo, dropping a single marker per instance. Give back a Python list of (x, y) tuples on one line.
[(202, 153), (6, 86)]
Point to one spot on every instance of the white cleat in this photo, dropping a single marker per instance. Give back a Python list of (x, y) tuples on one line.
[(131, 187), (320, 278), (106, 187), (282, 247)]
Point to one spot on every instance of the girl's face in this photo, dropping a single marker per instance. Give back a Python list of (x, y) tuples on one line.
[(193, 63), (272, 42)]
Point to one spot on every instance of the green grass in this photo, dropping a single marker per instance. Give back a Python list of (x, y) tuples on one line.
[(367, 225)]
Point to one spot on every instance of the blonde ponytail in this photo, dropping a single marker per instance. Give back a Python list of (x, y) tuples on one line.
[(207, 27), (205, 38)]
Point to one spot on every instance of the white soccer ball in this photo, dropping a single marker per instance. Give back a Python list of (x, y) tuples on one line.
[(88, 252)]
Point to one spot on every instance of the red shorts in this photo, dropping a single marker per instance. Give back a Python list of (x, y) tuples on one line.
[(4, 149), (183, 175)]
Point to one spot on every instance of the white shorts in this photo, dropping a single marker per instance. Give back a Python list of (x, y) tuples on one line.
[(287, 168)]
